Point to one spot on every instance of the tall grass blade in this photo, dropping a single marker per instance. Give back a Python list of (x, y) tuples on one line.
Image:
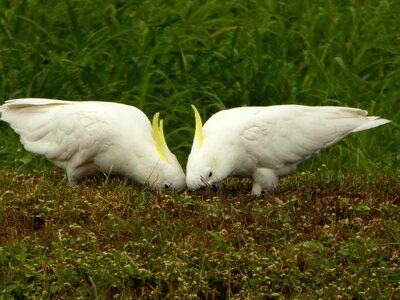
[(75, 25)]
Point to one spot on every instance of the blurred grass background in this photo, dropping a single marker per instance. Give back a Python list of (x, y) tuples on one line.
[(162, 55)]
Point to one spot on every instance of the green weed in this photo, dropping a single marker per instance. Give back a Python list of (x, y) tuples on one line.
[(310, 238), (165, 55)]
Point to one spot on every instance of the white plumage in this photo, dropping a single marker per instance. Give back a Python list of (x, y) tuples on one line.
[(90, 137), (264, 143)]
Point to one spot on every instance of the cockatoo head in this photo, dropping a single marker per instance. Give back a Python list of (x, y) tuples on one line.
[(207, 164), (167, 173)]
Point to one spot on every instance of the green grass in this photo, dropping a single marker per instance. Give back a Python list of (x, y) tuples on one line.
[(311, 238), (165, 55), (330, 231)]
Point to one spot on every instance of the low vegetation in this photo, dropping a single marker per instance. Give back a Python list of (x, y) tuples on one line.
[(313, 237)]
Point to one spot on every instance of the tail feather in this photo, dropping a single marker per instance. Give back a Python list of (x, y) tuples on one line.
[(27, 102), (371, 123)]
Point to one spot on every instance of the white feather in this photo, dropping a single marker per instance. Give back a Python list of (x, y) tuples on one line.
[(91, 137), (266, 142)]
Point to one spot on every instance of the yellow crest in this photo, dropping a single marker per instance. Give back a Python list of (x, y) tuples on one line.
[(158, 134), (199, 127)]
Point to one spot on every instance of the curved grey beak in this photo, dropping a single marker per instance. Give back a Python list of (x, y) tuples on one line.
[(215, 186)]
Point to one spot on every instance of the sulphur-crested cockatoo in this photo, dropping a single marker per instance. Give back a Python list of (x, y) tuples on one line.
[(264, 143), (90, 137)]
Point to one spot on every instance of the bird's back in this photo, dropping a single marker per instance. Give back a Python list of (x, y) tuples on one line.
[(283, 135), (68, 130)]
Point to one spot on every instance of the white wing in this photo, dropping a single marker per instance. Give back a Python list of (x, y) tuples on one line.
[(283, 135), (60, 130)]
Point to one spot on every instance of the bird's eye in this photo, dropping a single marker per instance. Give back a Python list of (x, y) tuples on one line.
[(210, 174), (166, 185)]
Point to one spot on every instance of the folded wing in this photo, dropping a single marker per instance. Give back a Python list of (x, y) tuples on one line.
[(54, 128), (284, 135)]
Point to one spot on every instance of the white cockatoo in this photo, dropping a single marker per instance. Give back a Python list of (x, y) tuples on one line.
[(264, 143), (89, 137)]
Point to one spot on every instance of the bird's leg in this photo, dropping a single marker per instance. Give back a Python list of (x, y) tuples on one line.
[(256, 189), (263, 179), (72, 181), (125, 181), (75, 174)]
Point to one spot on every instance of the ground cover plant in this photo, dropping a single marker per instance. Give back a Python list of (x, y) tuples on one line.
[(311, 238), (330, 231)]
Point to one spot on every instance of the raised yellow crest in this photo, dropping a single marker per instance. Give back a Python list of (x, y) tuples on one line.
[(199, 127), (158, 134)]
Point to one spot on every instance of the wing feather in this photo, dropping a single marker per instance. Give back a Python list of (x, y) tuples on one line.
[(279, 136), (54, 128)]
